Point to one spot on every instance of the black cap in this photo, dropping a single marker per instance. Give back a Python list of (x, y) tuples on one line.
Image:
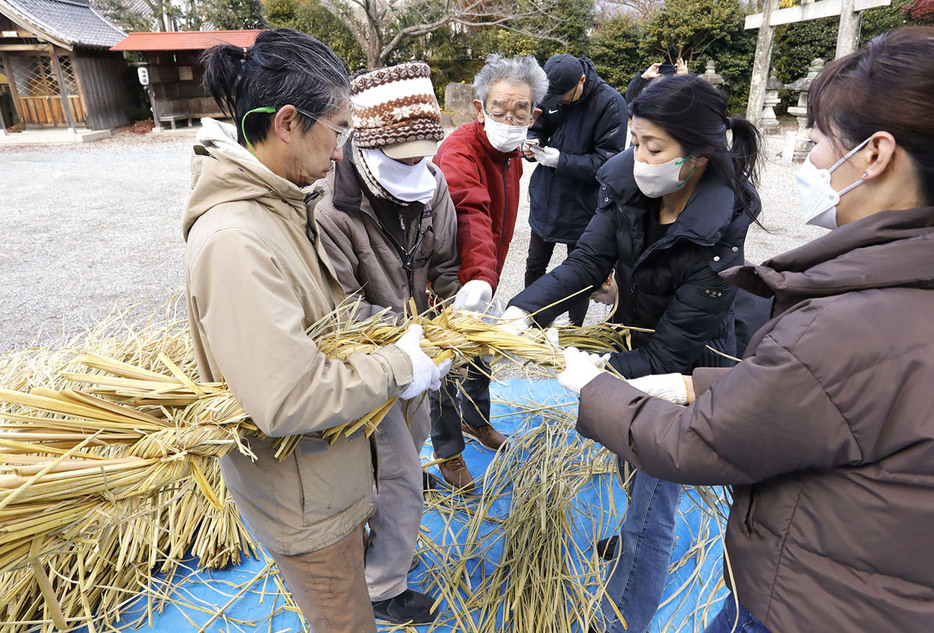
[(564, 71)]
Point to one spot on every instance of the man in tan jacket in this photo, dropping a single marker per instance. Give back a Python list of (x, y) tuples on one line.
[(257, 278), (389, 228)]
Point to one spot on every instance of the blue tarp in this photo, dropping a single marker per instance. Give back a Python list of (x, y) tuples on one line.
[(693, 594)]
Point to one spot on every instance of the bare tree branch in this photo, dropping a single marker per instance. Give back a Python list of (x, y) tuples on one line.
[(381, 26)]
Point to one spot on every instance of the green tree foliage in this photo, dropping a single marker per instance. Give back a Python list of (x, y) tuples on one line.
[(882, 19), (797, 44), (308, 16), (698, 30), (616, 49), (235, 14), (448, 53), (571, 21), (123, 15), (688, 28)]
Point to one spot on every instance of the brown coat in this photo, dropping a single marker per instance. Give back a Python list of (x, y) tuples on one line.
[(254, 284), (826, 431), (364, 249)]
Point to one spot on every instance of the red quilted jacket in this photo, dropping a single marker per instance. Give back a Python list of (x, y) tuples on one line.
[(484, 184)]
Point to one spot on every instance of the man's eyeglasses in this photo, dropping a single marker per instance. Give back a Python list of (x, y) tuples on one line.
[(343, 133), (512, 119)]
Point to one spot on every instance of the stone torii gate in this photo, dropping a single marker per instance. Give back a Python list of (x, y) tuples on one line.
[(771, 16)]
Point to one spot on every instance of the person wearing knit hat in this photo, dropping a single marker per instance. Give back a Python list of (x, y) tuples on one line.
[(389, 228)]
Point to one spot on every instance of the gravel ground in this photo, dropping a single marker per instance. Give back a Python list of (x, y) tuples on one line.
[(93, 228)]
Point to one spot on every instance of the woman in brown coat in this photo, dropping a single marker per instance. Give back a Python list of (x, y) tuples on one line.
[(826, 429)]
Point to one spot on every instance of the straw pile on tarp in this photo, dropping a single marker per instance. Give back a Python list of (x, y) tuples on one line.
[(521, 555), (108, 454)]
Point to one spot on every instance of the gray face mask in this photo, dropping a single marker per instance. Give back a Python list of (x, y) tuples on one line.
[(818, 198)]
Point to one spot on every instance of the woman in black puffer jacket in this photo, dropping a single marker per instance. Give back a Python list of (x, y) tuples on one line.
[(673, 212)]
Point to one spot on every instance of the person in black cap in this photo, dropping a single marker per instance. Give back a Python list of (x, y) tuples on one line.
[(582, 125)]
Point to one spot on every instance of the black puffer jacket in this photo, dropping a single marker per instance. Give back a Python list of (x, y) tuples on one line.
[(673, 286), (587, 132)]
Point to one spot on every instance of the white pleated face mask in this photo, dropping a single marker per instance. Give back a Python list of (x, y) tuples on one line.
[(656, 181), (410, 183), (505, 138), (818, 198)]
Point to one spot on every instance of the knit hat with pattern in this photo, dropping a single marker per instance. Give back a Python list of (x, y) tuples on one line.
[(395, 109)]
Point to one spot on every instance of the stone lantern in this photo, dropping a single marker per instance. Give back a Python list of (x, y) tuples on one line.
[(768, 122), (800, 111), (710, 74)]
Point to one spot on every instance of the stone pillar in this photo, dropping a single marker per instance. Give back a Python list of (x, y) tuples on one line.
[(848, 35), (761, 63)]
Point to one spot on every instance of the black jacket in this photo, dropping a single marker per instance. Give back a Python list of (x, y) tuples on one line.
[(636, 86), (587, 133), (672, 287)]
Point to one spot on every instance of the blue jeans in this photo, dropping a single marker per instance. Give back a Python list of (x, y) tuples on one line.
[(637, 576), (723, 621)]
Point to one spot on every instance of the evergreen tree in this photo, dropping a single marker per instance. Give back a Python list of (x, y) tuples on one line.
[(227, 15), (308, 16), (616, 49)]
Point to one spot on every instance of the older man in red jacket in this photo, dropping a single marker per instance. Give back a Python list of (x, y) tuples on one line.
[(482, 164)]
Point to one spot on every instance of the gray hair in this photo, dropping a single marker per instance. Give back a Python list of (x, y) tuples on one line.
[(518, 70)]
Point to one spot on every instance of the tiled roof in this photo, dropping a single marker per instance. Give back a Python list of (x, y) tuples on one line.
[(184, 40), (66, 22)]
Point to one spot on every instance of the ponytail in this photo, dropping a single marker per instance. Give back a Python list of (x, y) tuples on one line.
[(693, 113), (222, 66), (745, 150), (282, 67)]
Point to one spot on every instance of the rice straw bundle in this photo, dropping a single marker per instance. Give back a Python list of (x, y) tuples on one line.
[(71, 556), (107, 454)]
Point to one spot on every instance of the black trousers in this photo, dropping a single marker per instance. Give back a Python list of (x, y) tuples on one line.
[(536, 263), (449, 407)]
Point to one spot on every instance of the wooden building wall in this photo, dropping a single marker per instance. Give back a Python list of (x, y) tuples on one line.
[(104, 87), (176, 85)]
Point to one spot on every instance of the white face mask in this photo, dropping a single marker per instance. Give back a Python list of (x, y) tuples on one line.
[(818, 198), (505, 138), (411, 183), (656, 181)]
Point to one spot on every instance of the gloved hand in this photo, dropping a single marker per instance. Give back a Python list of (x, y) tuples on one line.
[(580, 369), (515, 320), (474, 296), (547, 156), (670, 387), (425, 374)]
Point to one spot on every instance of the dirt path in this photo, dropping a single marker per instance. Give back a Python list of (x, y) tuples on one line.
[(92, 228)]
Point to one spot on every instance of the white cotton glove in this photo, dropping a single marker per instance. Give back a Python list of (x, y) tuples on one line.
[(580, 369), (670, 387), (515, 320), (474, 296), (547, 156), (425, 374)]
